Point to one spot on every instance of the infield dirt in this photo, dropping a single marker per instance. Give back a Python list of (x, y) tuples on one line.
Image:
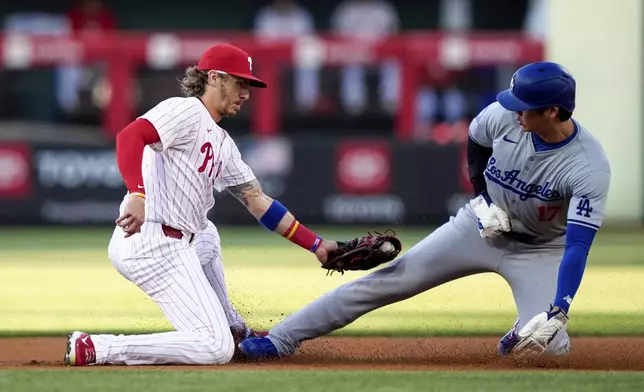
[(377, 353)]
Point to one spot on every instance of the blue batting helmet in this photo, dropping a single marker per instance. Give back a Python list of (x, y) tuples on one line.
[(539, 85)]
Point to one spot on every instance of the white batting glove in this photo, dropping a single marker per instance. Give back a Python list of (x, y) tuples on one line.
[(537, 334), (492, 220)]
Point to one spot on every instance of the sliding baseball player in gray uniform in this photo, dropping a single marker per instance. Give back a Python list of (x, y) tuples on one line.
[(541, 181)]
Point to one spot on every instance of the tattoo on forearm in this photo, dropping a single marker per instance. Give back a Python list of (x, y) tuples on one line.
[(246, 191)]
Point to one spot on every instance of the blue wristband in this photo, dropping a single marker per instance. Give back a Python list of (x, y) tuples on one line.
[(273, 216), (316, 244)]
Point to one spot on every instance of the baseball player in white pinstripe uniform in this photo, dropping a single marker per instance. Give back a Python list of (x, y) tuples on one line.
[(171, 160)]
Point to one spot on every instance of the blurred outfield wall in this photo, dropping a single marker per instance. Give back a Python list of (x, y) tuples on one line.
[(603, 50)]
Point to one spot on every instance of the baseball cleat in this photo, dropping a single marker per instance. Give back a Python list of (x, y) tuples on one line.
[(241, 335), (508, 342), (259, 348), (80, 350)]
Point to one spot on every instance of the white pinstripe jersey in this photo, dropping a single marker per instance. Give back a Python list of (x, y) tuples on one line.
[(193, 157), (542, 191)]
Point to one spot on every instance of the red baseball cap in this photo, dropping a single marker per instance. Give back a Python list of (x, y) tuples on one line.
[(231, 60)]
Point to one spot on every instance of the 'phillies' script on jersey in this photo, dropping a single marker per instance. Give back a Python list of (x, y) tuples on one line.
[(209, 160), (193, 158)]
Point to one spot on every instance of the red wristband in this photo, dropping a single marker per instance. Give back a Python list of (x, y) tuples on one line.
[(300, 235)]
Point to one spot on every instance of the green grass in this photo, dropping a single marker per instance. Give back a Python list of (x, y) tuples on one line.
[(52, 281), (314, 381), (98, 237), (611, 247)]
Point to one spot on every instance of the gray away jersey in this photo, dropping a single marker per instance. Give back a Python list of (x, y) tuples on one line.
[(542, 191)]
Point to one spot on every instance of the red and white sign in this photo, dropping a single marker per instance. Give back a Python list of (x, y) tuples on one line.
[(363, 167), (15, 171)]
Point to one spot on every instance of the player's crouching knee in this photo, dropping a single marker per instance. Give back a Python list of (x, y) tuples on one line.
[(560, 345), (221, 352)]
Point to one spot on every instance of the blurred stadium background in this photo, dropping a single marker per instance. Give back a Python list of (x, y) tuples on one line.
[(363, 124)]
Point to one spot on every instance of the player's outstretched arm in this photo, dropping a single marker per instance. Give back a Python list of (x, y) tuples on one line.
[(275, 217)]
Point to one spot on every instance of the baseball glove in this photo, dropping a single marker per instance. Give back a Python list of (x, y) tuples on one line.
[(363, 253)]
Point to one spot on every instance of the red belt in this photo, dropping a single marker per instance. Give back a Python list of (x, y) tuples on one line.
[(175, 233)]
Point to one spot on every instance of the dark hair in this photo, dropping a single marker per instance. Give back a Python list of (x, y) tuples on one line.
[(563, 114), (194, 82)]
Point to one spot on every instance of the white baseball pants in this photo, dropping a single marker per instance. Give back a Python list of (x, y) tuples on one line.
[(453, 251), (185, 278)]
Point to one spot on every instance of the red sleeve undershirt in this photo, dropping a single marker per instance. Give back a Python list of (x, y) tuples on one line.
[(129, 151)]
